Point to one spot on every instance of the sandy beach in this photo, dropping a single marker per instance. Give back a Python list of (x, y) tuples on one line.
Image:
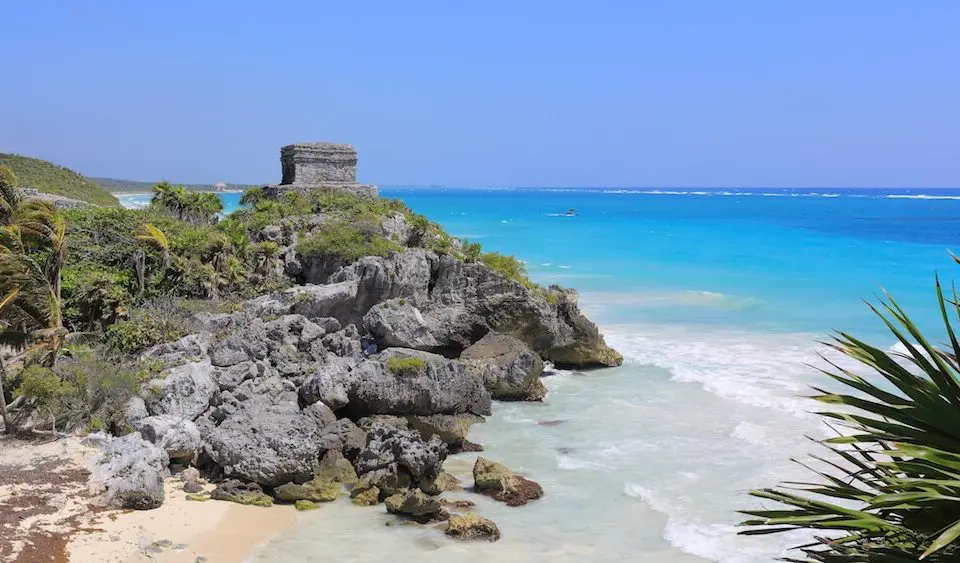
[(49, 512)]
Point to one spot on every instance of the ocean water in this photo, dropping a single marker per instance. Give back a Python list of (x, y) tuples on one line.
[(717, 300)]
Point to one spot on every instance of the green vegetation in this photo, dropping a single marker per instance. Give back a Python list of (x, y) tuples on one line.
[(508, 266), (891, 492), (125, 280), (398, 365), (86, 389), (53, 179), (347, 243)]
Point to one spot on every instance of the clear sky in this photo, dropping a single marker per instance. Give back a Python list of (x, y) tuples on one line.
[(534, 93)]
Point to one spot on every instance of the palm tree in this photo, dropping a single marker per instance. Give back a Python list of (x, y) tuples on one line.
[(892, 491), (150, 234), (9, 195), (43, 225), (34, 315), (5, 302), (252, 196)]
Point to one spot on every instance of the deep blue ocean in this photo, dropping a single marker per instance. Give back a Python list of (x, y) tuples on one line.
[(717, 298)]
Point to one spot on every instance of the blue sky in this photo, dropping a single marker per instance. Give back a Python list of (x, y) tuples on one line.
[(534, 93)]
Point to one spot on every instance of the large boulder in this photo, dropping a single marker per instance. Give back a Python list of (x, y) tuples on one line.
[(397, 322), (269, 444), (329, 384), (335, 300), (410, 382), (401, 275), (186, 391), (509, 369), (131, 472), (179, 437), (250, 343), (458, 302)]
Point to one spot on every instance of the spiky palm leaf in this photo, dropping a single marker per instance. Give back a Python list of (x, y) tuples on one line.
[(894, 493), (152, 235)]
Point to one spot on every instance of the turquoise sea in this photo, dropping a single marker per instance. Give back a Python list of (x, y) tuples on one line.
[(717, 299)]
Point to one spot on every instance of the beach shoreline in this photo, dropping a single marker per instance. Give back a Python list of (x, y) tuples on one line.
[(53, 515)]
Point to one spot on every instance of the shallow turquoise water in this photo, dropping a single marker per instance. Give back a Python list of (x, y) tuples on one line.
[(716, 298)]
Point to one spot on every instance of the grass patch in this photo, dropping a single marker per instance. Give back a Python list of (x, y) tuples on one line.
[(405, 366), (54, 179)]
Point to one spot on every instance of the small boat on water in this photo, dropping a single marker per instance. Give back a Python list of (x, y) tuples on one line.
[(570, 213)]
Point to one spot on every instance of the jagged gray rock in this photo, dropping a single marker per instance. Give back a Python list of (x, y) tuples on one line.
[(329, 384), (268, 444), (398, 323), (395, 458), (131, 472), (186, 391), (509, 369), (442, 386), (178, 437)]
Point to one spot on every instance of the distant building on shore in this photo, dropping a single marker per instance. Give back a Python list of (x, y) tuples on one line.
[(220, 187)]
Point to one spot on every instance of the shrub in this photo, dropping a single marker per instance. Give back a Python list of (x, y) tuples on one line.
[(398, 365), (346, 242), (472, 251), (508, 266), (159, 321), (88, 389)]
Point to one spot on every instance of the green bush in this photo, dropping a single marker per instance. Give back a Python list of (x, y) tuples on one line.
[(398, 365), (157, 322), (508, 266), (346, 242), (86, 389)]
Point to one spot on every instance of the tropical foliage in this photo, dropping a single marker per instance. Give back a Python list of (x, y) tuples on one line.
[(890, 490), (124, 280)]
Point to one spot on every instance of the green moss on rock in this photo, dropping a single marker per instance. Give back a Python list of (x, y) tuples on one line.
[(302, 505)]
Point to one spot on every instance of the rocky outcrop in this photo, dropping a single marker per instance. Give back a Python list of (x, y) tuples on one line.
[(131, 471), (499, 483), (509, 369), (439, 386), (444, 304), (471, 526)]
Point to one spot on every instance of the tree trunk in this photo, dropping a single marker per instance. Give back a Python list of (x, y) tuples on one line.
[(7, 424)]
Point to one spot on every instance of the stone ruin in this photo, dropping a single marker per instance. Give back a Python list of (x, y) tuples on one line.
[(309, 166)]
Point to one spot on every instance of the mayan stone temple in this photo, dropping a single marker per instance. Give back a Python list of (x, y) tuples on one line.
[(307, 166)]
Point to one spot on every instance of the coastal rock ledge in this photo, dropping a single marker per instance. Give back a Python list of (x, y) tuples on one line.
[(364, 376)]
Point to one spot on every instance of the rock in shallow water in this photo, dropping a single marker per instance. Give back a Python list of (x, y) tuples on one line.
[(498, 482), (413, 503), (472, 526)]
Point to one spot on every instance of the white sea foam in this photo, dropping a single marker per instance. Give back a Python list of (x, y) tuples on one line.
[(920, 196), (760, 370)]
